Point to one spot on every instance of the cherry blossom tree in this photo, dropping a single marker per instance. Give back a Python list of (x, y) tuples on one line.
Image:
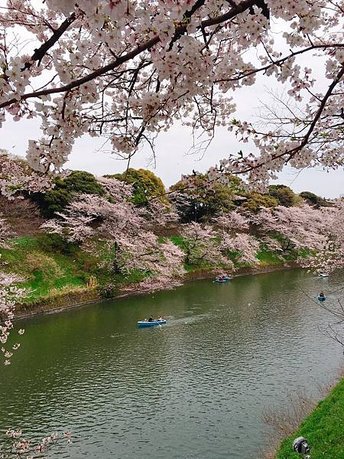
[(331, 255), (164, 263), (159, 215), (232, 222), (10, 294), (128, 69), (124, 233), (283, 228), (202, 246), (315, 231), (233, 231), (16, 176)]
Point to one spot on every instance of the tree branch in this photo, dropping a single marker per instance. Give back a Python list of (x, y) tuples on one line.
[(315, 119), (40, 52), (127, 57)]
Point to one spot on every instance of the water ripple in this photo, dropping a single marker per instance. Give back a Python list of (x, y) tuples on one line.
[(195, 388)]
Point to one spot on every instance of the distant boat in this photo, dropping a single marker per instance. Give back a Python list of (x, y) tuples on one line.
[(323, 274), (222, 278), (321, 297), (151, 323)]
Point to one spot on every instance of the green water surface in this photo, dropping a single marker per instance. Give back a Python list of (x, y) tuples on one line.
[(194, 388)]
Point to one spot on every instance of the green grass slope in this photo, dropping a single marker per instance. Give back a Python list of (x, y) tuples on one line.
[(323, 429), (48, 265)]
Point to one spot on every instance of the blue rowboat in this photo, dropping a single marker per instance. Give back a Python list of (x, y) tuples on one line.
[(152, 323), (222, 279), (321, 298)]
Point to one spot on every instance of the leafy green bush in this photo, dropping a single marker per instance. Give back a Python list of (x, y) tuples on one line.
[(200, 198), (64, 191), (284, 195), (257, 200), (314, 200), (108, 291), (145, 185)]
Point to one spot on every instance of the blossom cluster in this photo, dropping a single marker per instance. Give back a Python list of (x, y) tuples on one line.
[(24, 447), (123, 232), (128, 69), (10, 294), (16, 176)]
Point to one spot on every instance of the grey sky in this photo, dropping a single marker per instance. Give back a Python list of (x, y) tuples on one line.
[(172, 159)]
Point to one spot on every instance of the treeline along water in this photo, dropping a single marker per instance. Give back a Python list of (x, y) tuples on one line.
[(195, 388)]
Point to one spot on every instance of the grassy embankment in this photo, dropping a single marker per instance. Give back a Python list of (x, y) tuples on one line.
[(323, 429), (47, 268), (56, 273)]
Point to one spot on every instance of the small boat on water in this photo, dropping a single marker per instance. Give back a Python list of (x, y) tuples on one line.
[(151, 323), (222, 278), (321, 297), (323, 274)]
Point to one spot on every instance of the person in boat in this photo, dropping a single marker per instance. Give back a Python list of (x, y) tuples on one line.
[(222, 277), (150, 319), (321, 296)]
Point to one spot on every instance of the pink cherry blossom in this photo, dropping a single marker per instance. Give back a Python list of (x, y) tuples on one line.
[(128, 70), (124, 232)]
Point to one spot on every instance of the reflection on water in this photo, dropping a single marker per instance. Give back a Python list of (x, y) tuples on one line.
[(194, 388)]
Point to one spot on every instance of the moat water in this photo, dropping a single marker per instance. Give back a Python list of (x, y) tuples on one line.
[(196, 388)]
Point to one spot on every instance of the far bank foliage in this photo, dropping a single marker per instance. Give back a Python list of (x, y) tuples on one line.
[(64, 190), (146, 185), (103, 233), (197, 198)]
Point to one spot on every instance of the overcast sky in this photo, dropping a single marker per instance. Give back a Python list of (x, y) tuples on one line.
[(172, 158)]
